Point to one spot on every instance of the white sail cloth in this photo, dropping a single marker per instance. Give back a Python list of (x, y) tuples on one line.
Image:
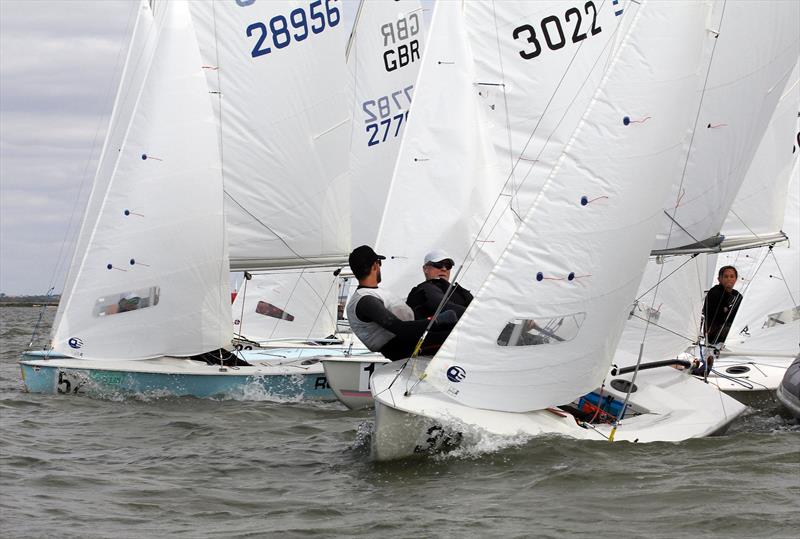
[(152, 279), (755, 52), (577, 263), (385, 54), (446, 176), (287, 305), (279, 74)]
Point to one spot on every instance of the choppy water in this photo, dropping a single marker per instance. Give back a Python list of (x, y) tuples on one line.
[(71, 466)]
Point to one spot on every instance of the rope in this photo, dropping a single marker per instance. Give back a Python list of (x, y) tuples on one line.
[(618, 419)]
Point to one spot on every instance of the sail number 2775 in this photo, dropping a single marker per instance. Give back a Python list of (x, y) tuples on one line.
[(296, 27), (552, 30)]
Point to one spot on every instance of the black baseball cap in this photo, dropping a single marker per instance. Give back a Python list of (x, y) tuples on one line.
[(361, 259)]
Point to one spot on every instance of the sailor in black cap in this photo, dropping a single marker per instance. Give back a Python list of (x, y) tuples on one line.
[(383, 322)]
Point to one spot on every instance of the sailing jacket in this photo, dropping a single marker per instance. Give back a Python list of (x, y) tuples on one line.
[(426, 296), (719, 309)]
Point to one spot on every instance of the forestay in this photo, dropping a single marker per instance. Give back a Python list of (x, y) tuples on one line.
[(755, 53), (152, 280), (287, 305), (560, 289), (385, 52), (278, 77)]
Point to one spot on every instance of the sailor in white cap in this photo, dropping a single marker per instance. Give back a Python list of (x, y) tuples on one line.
[(384, 323), (426, 296)]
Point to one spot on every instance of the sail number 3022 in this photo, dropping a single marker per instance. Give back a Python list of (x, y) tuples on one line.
[(552, 30), (301, 24)]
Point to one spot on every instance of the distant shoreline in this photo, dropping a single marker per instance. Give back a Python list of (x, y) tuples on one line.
[(29, 301)]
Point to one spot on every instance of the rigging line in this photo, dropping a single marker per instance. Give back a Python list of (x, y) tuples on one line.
[(745, 224), (783, 277), (753, 276), (266, 226), (694, 128), (690, 339), (546, 144), (286, 304), (505, 105), (241, 315), (665, 278), (322, 306), (572, 101), (671, 218)]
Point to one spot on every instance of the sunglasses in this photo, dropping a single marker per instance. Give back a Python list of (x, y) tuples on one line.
[(444, 264)]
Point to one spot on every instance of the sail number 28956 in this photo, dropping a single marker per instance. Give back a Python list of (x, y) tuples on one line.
[(552, 30), (281, 31)]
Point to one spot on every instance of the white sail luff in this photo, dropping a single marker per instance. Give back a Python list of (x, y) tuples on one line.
[(153, 278), (582, 262), (137, 64)]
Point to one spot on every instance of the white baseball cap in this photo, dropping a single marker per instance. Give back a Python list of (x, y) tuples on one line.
[(437, 255)]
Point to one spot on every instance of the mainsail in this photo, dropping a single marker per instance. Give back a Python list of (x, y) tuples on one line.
[(493, 116), (545, 324), (278, 79), (152, 278), (755, 51)]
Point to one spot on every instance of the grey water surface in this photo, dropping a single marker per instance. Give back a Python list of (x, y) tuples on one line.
[(73, 466)]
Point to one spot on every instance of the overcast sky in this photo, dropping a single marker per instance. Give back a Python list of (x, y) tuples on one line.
[(60, 62), (59, 66)]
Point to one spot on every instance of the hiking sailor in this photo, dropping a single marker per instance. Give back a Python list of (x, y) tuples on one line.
[(425, 298), (383, 322)]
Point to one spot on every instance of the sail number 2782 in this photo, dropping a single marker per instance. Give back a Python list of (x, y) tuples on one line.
[(296, 27), (552, 30)]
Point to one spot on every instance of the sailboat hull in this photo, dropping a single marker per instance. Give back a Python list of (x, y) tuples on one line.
[(294, 379), (349, 378), (668, 405)]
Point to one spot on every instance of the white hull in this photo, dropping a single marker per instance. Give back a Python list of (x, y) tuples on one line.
[(752, 381), (349, 378), (671, 406)]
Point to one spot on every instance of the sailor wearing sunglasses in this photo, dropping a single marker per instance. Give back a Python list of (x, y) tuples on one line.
[(426, 296), (383, 322)]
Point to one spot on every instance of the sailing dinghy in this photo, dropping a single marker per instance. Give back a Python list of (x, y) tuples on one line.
[(194, 182), (544, 326)]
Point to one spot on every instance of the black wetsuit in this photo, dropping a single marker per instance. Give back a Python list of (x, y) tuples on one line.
[(719, 310), (407, 333), (426, 297)]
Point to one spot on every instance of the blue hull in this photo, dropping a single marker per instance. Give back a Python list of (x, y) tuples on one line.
[(120, 384)]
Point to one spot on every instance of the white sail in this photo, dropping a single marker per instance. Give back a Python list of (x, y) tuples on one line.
[(152, 280), (140, 55), (279, 71), (446, 176), (571, 269), (770, 279), (287, 305), (757, 215), (758, 209), (531, 100), (385, 53), (755, 53), (482, 94)]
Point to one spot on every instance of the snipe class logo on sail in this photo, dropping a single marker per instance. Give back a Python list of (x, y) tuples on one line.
[(456, 374)]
